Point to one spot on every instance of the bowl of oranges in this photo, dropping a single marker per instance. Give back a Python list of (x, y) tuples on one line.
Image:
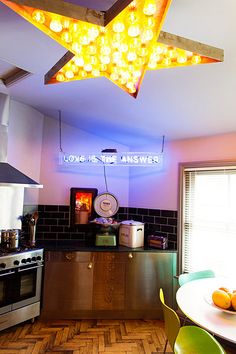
[(223, 299)]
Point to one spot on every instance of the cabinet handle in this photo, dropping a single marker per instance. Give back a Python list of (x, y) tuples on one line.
[(69, 256), (90, 265), (130, 255)]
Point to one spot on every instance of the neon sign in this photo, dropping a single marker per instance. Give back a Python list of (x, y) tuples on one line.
[(145, 159)]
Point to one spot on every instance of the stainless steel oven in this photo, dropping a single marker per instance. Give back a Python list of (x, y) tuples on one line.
[(20, 286)]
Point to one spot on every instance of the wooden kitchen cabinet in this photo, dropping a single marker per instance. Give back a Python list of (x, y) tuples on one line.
[(107, 284)]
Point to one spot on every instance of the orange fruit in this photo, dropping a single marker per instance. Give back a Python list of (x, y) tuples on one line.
[(233, 300), (224, 289), (221, 299)]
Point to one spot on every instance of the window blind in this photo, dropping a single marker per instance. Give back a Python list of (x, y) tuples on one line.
[(209, 220)]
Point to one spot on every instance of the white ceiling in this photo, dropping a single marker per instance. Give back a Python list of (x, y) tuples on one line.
[(178, 103)]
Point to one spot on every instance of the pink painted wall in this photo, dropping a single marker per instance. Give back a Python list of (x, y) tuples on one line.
[(159, 189), (33, 148)]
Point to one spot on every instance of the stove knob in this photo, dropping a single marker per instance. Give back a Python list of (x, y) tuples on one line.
[(16, 262), (23, 260), (28, 260), (34, 259), (39, 258), (2, 265)]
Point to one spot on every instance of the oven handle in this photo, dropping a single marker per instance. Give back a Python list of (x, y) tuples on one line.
[(5, 274), (24, 270)]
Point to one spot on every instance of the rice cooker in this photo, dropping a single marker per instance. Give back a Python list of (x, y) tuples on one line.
[(131, 234)]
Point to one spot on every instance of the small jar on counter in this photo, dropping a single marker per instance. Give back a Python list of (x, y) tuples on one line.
[(13, 239), (5, 238), (82, 215)]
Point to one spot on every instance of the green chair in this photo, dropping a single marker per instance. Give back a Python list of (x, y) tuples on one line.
[(187, 339), (186, 277)]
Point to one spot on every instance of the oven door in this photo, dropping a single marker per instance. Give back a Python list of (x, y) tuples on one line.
[(27, 289), (20, 287), (5, 278)]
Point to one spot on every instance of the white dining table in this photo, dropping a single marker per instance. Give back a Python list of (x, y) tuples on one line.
[(194, 300)]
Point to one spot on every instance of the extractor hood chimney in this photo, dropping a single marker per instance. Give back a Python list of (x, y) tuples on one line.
[(8, 174)]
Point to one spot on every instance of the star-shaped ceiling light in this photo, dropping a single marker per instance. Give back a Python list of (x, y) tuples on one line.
[(120, 43)]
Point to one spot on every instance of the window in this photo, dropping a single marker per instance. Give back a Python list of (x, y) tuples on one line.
[(207, 218)]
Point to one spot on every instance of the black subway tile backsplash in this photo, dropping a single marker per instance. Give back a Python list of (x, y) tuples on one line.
[(135, 217), (143, 211), (57, 229), (154, 212), (64, 236), (148, 219), (166, 228), (53, 223), (43, 228), (132, 210), (63, 222), (65, 208), (122, 216), (167, 213), (50, 221), (162, 221), (172, 221), (51, 207)]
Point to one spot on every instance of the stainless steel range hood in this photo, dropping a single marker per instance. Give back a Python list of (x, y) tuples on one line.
[(9, 175)]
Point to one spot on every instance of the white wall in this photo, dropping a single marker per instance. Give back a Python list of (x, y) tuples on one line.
[(24, 144), (57, 181), (159, 189)]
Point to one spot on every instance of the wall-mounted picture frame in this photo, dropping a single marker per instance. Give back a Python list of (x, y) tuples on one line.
[(81, 205)]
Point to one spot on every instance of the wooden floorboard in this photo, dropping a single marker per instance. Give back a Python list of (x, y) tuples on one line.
[(86, 337)]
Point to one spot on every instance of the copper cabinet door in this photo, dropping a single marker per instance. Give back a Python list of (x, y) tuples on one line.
[(146, 272), (68, 284), (107, 284), (109, 281)]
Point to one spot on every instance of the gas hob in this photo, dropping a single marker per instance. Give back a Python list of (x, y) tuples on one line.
[(20, 257)]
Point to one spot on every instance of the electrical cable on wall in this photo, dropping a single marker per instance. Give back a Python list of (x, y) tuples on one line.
[(163, 144), (104, 173), (60, 144)]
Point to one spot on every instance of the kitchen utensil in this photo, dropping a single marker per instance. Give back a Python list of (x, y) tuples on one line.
[(32, 227)]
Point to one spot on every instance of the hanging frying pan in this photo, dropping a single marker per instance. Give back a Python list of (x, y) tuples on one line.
[(106, 205)]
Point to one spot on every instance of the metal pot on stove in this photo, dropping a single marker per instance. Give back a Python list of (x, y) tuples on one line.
[(9, 239)]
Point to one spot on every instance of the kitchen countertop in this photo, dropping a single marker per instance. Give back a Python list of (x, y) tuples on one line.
[(81, 246)]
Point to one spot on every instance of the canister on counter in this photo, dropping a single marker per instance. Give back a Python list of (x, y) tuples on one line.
[(131, 233), (81, 214), (5, 238), (13, 239), (160, 242)]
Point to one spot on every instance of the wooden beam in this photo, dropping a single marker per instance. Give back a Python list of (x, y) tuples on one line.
[(15, 75), (61, 62), (63, 8), (115, 9), (190, 45)]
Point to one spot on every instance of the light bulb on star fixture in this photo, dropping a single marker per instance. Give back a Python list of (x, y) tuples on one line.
[(117, 43)]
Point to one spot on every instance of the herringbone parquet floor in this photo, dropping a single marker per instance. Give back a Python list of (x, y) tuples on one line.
[(86, 337)]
